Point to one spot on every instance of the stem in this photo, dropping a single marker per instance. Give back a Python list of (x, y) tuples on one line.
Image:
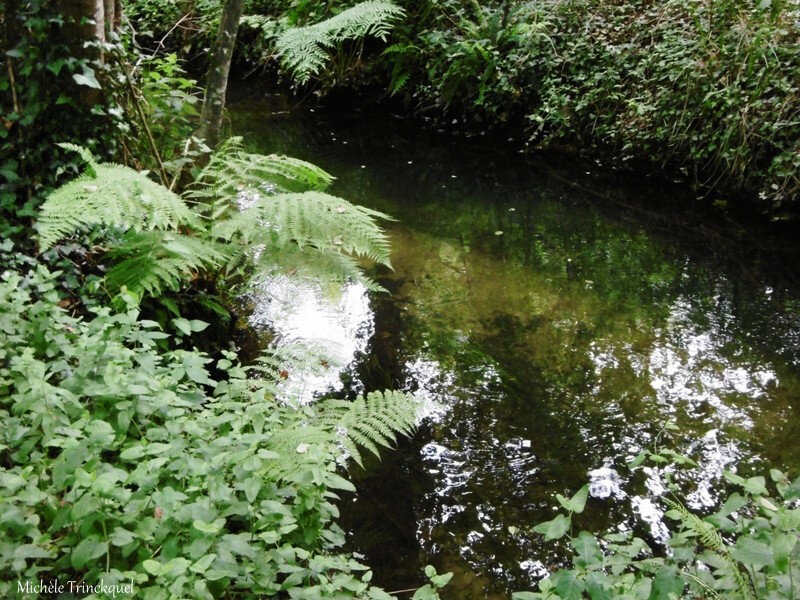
[(108, 549), (162, 173)]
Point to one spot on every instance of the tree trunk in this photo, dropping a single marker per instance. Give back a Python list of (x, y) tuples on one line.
[(78, 33), (109, 8), (218, 70)]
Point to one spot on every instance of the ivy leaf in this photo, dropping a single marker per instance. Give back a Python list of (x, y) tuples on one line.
[(87, 78)]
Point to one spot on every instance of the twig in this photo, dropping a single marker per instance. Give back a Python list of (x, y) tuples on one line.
[(12, 81), (160, 44), (180, 168)]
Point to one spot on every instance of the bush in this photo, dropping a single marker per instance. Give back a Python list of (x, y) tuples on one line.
[(120, 462), (747, 549)]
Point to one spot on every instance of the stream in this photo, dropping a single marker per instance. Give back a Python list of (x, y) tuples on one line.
[(553, 315)]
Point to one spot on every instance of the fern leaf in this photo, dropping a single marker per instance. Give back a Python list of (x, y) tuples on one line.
[(83, 153), (304, 50), (310, 219), (157, 260), (371, 421), (110, 195), (231, 170)]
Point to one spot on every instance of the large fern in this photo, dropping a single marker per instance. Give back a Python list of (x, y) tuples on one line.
[(159, 240), (304, 50), (110, 195)]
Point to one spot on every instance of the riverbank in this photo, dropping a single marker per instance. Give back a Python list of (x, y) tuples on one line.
[(701, 91)]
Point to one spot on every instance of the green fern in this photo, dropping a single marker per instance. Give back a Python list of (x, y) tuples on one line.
[(304, 50), (287, 259), (313, 219), (155, 261), (110, 195), (370, 422), (231, 170), (165, 243)]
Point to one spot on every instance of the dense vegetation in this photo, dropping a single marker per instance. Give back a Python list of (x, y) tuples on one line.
[(136, 448), (128, 456), (707, 91)]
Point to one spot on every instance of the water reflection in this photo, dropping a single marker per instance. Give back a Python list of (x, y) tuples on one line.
[(548, 356), (336, 324)]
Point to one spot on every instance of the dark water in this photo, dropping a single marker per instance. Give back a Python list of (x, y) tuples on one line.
[(555, 316)]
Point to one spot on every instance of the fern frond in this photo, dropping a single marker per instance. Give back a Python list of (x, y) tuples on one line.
[(310, 264), (303, 50), (279, 361), (712, 540), (370, 422), (231, 171), (312, 219), (111, 195), (153, 261), (87, 157)]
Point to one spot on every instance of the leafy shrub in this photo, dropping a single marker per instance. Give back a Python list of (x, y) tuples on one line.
[(121, 462), (747, 549)]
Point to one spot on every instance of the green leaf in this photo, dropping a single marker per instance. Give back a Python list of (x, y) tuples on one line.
[(153, 567), (26, 551), (752, 552), (183, 325), (121, 537), (88, 549), (667, 584), (755, 485), (87, 78), (211, 528), (567, 585), (555, 528), (203, 563)]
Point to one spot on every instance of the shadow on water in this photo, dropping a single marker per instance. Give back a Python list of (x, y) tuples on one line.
[(554, 316)]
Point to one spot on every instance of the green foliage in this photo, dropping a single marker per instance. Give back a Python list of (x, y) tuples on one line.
[(236, 221), (231, 170), (705, 88), (744, 550), (48, 93), (170, 100), (123, 462), (304, 50), (152, 261), (110, 195)]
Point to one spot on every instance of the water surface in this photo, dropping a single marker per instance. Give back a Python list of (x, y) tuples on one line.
[(555, 316)]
